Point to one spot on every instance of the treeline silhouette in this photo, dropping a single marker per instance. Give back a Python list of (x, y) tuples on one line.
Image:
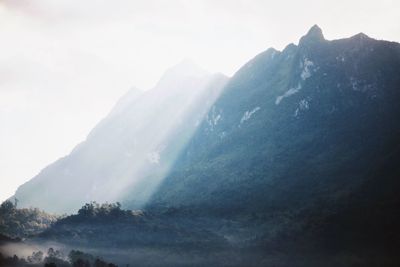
[(55, 258), (106, 212), (94, 209)]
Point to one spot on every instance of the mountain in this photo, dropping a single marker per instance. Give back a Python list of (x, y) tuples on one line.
[(310, 122), (304, 151), (132, 148), (293, 161)]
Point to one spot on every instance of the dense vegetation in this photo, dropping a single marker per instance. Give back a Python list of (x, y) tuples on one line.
[(55, 258), (16, 222), (105, 225)]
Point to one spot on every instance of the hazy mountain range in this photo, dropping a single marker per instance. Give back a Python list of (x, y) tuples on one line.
[(298, 151), (130, 150)]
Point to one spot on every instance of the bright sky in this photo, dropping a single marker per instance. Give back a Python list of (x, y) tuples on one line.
[(64, 63)]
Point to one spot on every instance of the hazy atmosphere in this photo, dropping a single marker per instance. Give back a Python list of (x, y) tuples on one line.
[(63, 64), (199, 133)]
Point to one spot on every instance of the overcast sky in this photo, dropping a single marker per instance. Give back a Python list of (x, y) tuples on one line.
[(64, 63)]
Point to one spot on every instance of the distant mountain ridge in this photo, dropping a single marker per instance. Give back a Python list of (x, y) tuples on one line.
[(131, 148)]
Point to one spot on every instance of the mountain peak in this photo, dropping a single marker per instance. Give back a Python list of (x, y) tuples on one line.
[(314, 35), (360, 36), (186, 69)]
